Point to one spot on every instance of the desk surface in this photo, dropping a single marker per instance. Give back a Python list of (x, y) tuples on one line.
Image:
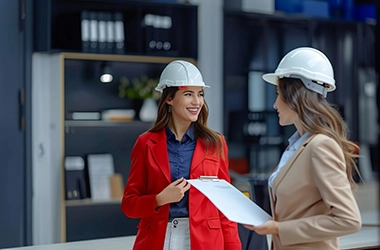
[(117, 243), (367, 237)]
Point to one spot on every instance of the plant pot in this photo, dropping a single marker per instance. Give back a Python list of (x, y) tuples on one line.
[(148, 111)]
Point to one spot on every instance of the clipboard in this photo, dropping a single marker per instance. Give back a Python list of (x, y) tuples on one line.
[(230, 201)]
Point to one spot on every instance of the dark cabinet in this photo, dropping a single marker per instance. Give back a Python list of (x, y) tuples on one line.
[(148, 28)]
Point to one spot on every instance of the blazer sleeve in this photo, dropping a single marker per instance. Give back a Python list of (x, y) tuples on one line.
[(229, 228), (328, 170), (136, 203)]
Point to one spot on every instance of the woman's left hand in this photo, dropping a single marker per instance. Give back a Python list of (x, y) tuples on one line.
[(269, 227)]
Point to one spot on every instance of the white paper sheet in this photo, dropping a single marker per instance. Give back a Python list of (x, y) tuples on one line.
[(231, 202), (100, 169)]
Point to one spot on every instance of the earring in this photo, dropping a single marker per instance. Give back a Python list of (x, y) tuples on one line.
[(169, 109)]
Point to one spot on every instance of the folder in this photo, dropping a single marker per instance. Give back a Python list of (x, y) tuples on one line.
[(166, 25), (119, 33), (157, 24), (102, 33), (150, 41), (117, 186), (110, 38), (100, 169), (85, 31), (93, 32), (230, 201), (75, 184)]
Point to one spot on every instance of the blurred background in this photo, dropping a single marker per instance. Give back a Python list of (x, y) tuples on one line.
[(76, 84)]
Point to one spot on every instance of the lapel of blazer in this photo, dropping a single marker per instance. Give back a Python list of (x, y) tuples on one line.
[(159, 151), (198, 156), (286, 168)]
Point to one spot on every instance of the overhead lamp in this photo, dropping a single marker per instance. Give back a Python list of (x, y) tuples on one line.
[(106, 73)]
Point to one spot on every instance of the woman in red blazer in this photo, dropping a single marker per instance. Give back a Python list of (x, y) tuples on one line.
[(179, 146)]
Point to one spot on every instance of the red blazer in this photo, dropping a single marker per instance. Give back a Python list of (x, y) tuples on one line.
[(150, 174)]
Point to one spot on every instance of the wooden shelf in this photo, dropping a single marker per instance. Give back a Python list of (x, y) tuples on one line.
[(101, 123), (90, 202), (122, 58)]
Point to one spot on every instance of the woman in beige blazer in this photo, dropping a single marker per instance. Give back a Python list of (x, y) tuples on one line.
[(311, 189)]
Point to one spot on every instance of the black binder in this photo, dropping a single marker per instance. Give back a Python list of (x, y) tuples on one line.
[(94, 32), (119, 33), (75, 183), (102, 33), (110, 38), (85, 31)]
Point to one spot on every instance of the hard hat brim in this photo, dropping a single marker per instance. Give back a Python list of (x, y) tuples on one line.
[(271, 78), (161, 88)]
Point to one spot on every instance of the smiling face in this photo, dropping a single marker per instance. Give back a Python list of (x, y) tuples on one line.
[(186, 104), (285, 114)]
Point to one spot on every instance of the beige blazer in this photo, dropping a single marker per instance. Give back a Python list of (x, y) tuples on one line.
[(311, 198)]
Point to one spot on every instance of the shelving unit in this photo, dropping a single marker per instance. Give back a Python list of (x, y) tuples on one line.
[(58, 25), (66, 80), (69, 82), (84, 92)]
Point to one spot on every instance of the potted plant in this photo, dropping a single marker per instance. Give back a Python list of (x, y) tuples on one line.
[(138, 90)]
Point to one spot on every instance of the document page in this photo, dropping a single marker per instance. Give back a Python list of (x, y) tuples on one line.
[(100, 169), (231, 202)]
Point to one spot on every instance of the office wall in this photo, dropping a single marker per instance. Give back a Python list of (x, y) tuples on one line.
[(211, 56), (15, 178)]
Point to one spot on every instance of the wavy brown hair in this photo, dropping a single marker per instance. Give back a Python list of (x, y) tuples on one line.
[(212, 140), (320, 117)]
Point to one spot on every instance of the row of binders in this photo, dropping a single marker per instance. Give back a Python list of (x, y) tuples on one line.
[(158, 33), (102, 32)]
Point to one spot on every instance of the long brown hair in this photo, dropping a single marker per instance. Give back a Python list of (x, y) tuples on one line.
[(212, 140), (320, 117)]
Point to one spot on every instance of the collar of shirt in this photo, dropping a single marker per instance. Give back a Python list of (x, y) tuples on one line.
[(296, 140), (189, 135)]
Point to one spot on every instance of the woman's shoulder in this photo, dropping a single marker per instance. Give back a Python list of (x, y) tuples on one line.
[(144, 137), (322, 139), (220, 135)]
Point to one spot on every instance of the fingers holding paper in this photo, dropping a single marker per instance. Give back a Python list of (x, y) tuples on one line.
[(268, 227), (174, 192)]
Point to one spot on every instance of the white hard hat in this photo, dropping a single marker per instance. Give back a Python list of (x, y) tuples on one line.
[(308, 64), (180, 73)]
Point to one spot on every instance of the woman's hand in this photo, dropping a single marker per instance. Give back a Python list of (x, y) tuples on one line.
[(174, 192), (269, 227)]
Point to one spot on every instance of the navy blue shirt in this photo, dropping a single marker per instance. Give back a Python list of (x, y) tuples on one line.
[(180, 155)]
